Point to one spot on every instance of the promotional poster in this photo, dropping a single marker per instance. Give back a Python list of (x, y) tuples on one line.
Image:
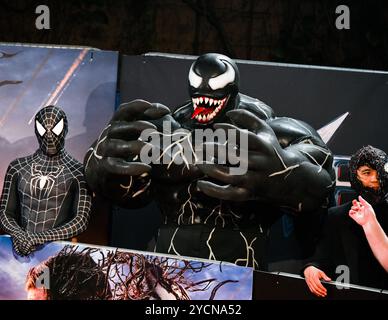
[(83, 272)]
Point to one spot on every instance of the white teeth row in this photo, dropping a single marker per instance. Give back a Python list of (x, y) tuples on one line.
[(210, 116), (206, 100)]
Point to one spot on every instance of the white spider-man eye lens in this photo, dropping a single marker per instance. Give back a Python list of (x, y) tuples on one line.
[(58, 128), (40, 128), (194, 79), (224, 79)]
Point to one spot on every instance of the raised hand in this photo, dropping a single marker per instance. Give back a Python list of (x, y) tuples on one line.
[(361, 211)]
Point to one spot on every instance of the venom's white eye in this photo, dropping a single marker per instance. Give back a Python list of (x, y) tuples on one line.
[(224, 79), (40, 128), (58, 128), (194, 79)]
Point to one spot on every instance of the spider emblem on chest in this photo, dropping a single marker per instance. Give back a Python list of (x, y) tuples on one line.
[(42, 182)]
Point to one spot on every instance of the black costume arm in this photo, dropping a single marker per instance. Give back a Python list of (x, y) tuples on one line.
[(9, 210), (79, 221), (296, 174), (112, 165)]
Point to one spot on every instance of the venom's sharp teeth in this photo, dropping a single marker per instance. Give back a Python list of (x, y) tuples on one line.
[(200, 117), (206, 100), (195, 106), (200, 100), (208, 117), (197, 101), (219, 102), (210, 101)]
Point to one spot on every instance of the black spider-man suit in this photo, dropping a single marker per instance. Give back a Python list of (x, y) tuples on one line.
[(208, 212), (45, 196)]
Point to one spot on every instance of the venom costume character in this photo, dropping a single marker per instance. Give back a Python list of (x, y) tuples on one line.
[(45, 196), (208, 212)]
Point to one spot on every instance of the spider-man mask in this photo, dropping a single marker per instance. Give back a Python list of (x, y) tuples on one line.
[(51, 129)]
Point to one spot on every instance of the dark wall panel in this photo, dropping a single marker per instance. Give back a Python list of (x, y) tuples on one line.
[(312, 94)]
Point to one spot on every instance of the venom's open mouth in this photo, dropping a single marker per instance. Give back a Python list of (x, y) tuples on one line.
[(206, 109)]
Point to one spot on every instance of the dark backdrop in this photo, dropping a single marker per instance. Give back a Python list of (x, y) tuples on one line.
[(297, 31)]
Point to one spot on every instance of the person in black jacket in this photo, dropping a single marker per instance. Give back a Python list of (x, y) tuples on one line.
[(343, 242)]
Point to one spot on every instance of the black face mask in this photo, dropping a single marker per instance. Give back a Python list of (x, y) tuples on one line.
[(213, 87), (377, 160), (51, 129)]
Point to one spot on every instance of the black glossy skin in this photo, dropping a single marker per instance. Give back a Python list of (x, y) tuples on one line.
[(208, 212)]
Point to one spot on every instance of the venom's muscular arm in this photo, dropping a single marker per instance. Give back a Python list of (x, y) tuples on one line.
[(312, 181), (287, 164), (112, 165)]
